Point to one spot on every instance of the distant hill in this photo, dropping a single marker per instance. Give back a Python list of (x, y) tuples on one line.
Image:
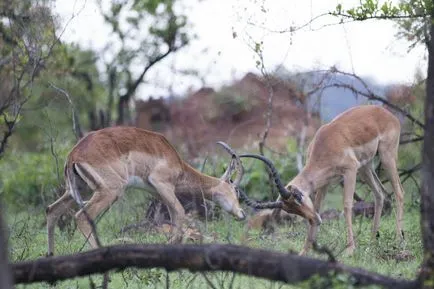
[(334, 100), (237, 112)]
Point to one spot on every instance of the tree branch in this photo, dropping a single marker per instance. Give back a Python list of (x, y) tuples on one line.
[(132, 87), (10, 125), (412, 140), (75, 120), (270, 265), (372, 96), (380, 17)]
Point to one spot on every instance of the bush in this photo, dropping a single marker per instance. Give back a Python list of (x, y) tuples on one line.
[(29, 179)]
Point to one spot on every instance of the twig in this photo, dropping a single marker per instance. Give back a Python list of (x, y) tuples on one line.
[(413, 140), (208, 281), (75, 121), (324, 250), (370, 94)]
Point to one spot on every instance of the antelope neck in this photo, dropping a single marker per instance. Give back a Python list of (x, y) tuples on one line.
[(192, 181)]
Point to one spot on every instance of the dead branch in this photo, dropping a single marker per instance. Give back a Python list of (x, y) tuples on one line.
[(75, 120), (261, 263), (132, 87), (369, 94), (413, 140), (269, 111), (7, 133)]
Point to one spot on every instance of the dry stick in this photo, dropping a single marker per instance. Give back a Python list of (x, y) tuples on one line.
[(75, 121), (79, 134), (98, 242), (413, 140), (210, 284), (269, 114), (371, 95), (271, 265), (324, 250)]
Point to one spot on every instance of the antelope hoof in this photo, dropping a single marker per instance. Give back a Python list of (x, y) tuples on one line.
[(303, 252), (349, 251)]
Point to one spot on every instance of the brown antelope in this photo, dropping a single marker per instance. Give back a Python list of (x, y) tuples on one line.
[(340, 149), (109, 160)]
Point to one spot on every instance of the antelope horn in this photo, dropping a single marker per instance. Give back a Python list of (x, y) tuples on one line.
[(259, 205), (235, 160), (227, 174), (274, 174)]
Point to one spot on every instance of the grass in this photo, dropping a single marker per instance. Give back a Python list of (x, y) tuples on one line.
[(28, 241)]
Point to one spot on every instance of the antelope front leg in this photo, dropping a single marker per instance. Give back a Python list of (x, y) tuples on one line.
[(370, 177), (313, 227), (349, 187), (388, 160), (166, 191)]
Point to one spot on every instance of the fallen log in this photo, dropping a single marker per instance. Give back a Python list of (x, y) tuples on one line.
[(261, 263)]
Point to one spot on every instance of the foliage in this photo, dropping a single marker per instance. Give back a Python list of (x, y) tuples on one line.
[(27, 37), (48, 114), (228, 103), (28, 241), (411, 16), (31, 179), (145, 32)]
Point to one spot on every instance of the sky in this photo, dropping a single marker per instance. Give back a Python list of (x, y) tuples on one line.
[(368, 49)]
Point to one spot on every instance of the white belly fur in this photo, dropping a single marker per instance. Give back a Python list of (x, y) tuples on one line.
[(138, 183)]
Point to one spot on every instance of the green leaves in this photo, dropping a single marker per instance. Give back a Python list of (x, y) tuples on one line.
[(373, 9)]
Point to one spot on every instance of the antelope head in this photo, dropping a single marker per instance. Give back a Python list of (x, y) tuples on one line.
[(290, 199), (226, 193)]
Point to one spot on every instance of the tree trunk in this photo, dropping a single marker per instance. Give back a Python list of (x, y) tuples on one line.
[(122, 108), (5, 274), (427, 198)]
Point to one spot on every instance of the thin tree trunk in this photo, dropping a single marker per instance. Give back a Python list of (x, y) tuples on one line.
[(427, 198), (5, 273)]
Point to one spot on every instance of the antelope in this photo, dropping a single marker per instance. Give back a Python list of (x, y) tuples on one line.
[(112, 159), (340, 149)]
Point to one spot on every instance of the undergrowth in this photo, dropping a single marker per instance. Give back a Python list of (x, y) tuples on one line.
[(27, 240)]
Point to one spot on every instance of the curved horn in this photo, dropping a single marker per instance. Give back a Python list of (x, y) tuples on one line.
[(274, 174), (259, 205), (227, 174), (235, 160)]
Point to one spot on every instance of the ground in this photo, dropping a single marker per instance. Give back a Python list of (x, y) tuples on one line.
[(28, 241)]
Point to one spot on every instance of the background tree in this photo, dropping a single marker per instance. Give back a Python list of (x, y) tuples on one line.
[(415, 18), (145, 33), (27, 37)]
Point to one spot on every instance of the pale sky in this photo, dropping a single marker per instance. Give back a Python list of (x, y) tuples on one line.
[(367, 49)]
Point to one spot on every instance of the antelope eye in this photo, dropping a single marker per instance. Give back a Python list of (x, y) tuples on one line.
[(298, 198)]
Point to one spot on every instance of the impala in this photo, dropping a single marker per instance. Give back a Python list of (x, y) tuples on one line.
[(340, 149), (109, 160)]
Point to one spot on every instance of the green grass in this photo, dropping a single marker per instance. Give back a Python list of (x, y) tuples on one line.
[(28, 241)]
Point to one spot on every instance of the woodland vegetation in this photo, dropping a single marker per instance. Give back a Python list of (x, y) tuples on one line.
[(52, 93)]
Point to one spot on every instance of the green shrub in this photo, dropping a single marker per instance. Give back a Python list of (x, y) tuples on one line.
[(30, 178)]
